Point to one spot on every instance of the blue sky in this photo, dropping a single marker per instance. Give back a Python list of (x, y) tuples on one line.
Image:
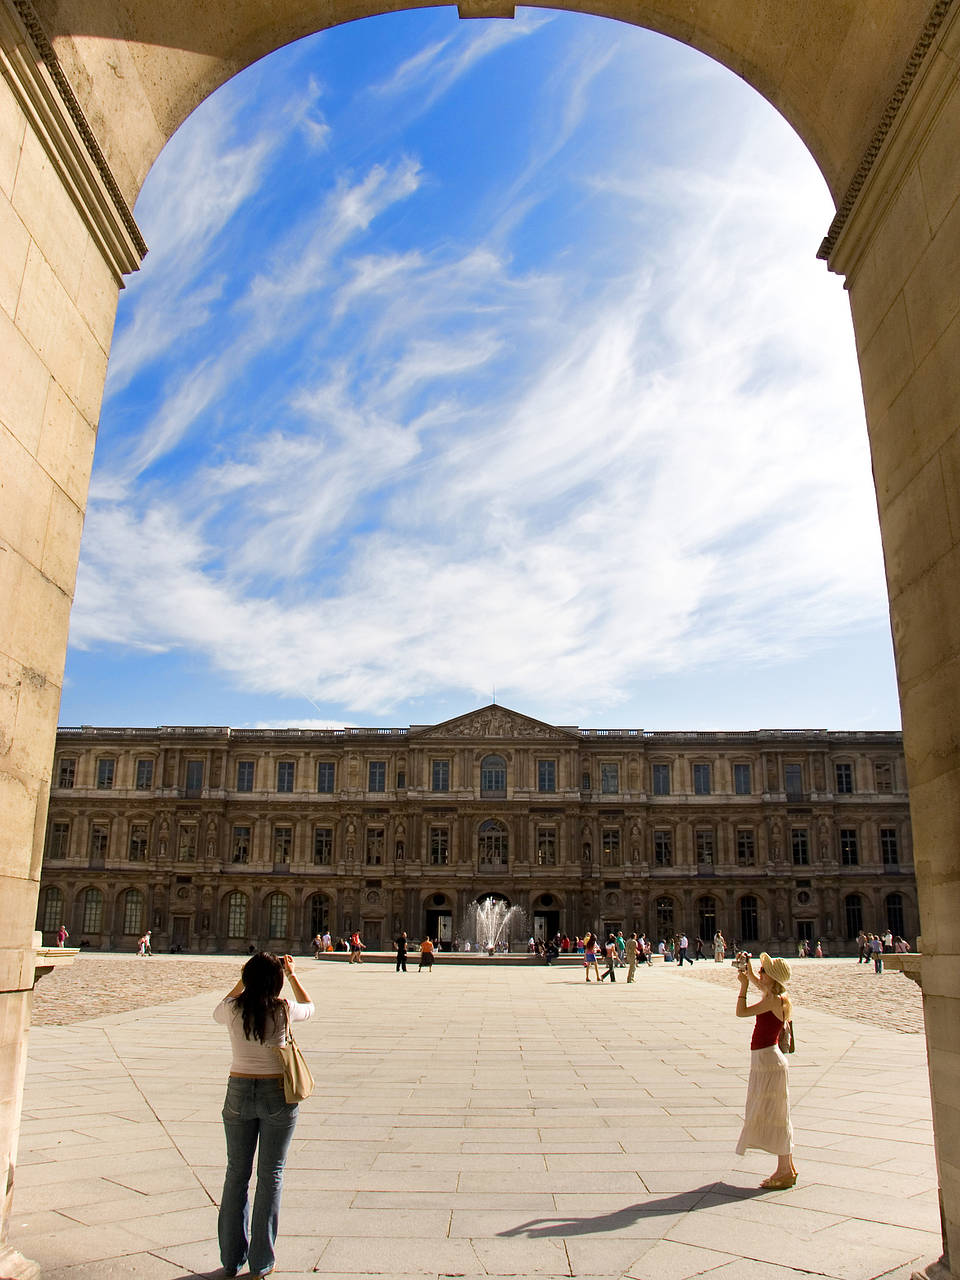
[(475, 355)]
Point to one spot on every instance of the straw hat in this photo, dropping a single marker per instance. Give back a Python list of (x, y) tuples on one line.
[(778, 969)]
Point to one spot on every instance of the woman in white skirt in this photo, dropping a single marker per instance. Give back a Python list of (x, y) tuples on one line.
[(766, 1124)]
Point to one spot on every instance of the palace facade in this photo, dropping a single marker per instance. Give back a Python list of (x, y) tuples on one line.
[(221, 839)]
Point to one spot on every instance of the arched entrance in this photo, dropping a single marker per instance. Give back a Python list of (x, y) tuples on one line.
[(886, 146)]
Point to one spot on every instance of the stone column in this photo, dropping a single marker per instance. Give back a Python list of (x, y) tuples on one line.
[(66, 243), (899, 250)]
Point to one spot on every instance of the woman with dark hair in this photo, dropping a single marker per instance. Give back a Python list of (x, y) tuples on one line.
[(255, 1110)]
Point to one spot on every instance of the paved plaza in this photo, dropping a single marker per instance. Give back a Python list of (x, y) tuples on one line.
[(471, 1122)]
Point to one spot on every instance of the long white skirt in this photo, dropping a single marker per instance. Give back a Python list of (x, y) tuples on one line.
[(766, 1121)]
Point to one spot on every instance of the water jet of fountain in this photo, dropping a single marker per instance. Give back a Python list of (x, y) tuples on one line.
[(490, 923)]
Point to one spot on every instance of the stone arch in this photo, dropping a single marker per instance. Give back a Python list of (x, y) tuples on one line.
[(870, 88)]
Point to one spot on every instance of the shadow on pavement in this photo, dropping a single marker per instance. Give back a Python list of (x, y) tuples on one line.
[(682, 1202)]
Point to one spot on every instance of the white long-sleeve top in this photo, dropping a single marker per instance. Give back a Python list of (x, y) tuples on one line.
[(251, 1057)]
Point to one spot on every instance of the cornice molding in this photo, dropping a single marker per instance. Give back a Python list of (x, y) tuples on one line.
[(31, 68), (892, 138)]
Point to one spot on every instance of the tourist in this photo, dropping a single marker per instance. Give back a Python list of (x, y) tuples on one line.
[(317, 946), (426, 955), (356, 948), (888, 941), (621, 949), (766, 1124), (683, 943), (801, 949), (610, 955), (863, 948), (401, 943), (590, 955), (62, 936), (143, 946), (631, 947), (818, 953), (719, 947), (876, 951), (327, 940), (698, 953), (255, 1111)]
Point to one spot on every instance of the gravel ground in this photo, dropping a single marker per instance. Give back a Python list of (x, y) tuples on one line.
[(839, 986), (99, 983)]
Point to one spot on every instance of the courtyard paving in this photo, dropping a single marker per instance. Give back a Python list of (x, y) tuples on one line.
[(477, 1123)]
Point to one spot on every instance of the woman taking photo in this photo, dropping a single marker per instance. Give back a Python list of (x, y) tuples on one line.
[(766, 1124), (255, 1110)]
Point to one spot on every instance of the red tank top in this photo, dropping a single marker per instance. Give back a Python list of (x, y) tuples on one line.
[(766, 1030)]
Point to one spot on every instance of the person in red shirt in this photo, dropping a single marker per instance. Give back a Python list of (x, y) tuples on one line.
[(766, 1123)]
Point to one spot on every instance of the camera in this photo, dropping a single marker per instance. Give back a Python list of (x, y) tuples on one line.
[(741, 961)]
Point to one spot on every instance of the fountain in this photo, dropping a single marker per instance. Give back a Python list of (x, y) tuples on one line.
[(490, 922)]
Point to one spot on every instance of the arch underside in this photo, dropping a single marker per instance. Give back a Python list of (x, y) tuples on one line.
[(139, 69)]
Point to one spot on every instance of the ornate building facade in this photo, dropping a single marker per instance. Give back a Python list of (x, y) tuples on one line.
[(222, 839)]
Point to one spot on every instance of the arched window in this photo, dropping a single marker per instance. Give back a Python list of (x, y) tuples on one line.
[(92, 911), (237, 915), (664, 918), (319, 911), (492, 843), (277, 905), (748, 918), (51, 913), (706, 918), (132, 909), (853, 914), (894, 905), (493, 776)]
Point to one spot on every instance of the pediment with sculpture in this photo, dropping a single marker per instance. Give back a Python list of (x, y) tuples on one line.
[(496, 722)]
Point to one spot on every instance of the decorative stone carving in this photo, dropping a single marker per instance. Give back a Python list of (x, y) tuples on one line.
[(495, 722)]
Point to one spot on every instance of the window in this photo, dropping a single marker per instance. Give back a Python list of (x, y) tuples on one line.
[(661, 779), (237, 915), (187, 843), (132, 912), (706, 917), (92, 919), (746, 847), (610, 846), (439, 846), (138, 842), (793, 781), (849, 851), (106, 769), (241, 844), (322, 846), (376, 842), (585, 780), (286, 772), (493, 776), (492, 843), (67, 773), (144, 775), (377, 775), (282, 850), (701, 780), (894, 905), (800, 844), (325, 777), (546, 846), (889, 847), (245, 771), (319, 914), (703, 841), (277, 905), (663, 848), (439, 775), (665, 918), (401, 779), (51, 913), (883, 776), (853, 914), (748, 918), (546, 775), (609, 779), (844, 779), (743, 779), (194, 777), (59, 840), (99, 841)]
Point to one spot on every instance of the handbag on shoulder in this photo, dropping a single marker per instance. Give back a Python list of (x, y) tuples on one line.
[(297, 1076), (785, 1041)]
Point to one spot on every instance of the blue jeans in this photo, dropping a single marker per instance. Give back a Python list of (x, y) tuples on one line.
[(253, 1110)]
